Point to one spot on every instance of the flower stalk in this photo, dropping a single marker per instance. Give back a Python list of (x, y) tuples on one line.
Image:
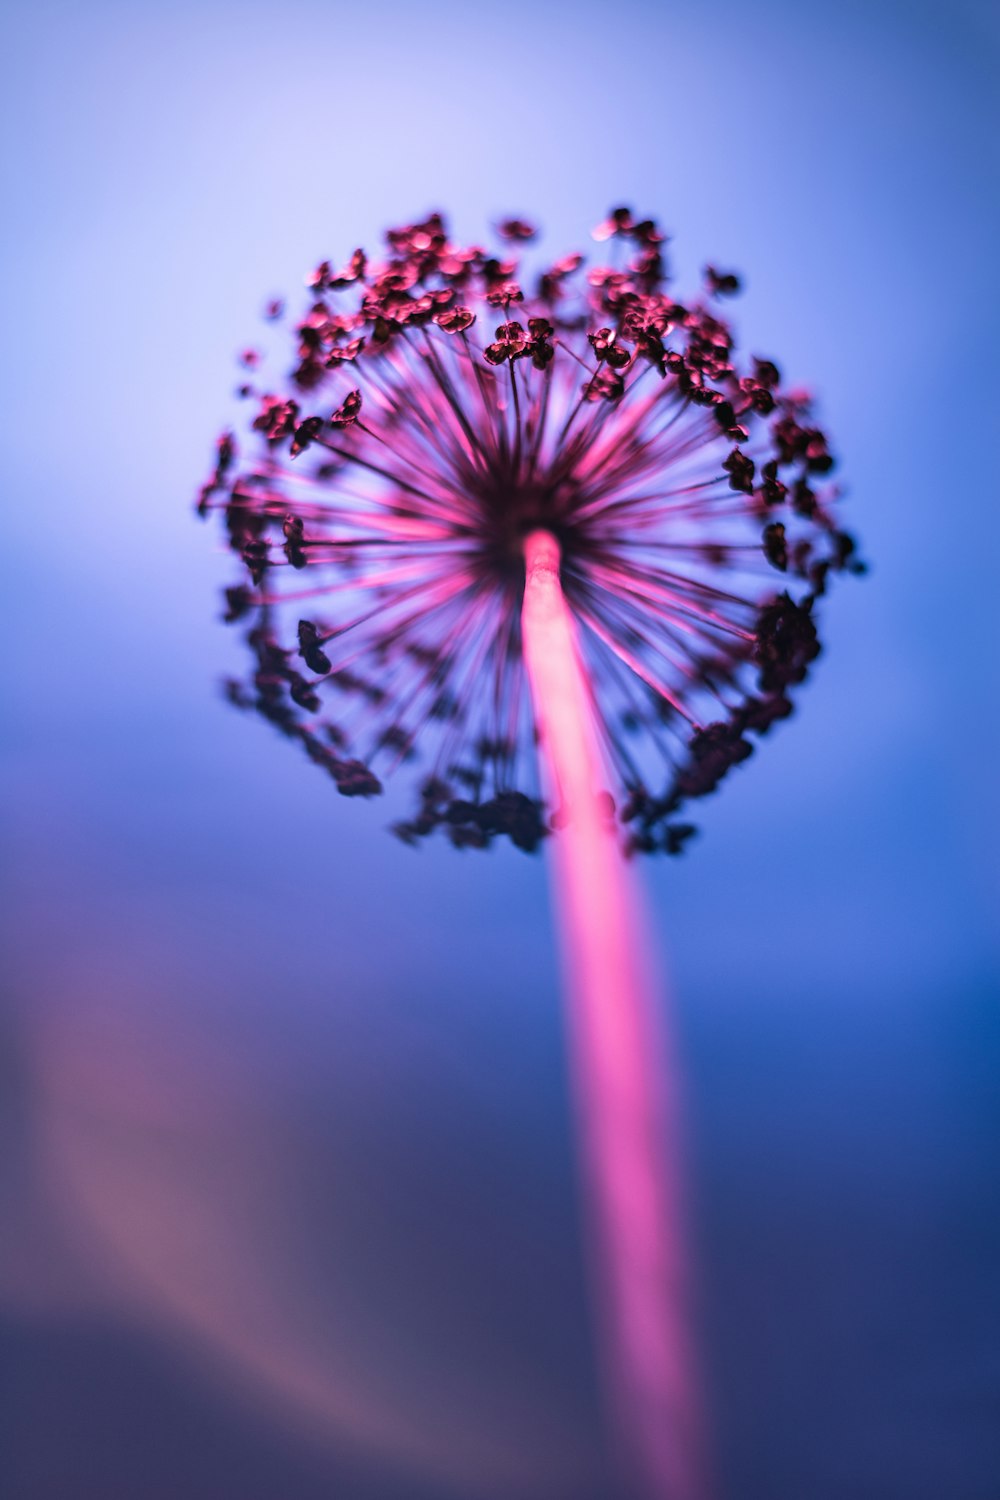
[(624, 1098)]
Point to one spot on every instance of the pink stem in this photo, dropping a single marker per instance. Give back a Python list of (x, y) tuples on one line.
[(624, 1096)]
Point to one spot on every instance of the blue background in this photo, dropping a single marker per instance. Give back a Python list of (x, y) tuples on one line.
[(286, 1180)]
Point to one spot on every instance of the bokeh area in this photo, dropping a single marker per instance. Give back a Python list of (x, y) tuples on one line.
[(287, 1194)]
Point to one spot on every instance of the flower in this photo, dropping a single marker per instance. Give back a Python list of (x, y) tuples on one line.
[(438, 411)]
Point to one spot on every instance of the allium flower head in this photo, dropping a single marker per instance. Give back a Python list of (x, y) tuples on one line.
[(441, 407)]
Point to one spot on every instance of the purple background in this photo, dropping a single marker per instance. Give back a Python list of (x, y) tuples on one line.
[(287, 1205)]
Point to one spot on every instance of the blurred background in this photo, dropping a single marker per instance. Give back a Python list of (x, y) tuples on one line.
[(287, 1194)]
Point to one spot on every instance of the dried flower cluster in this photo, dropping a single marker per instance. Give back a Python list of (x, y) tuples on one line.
[(438, 410)]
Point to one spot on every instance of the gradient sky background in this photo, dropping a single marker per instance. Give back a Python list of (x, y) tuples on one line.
[(286, 1179)]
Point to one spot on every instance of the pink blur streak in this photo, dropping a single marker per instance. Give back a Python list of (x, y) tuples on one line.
[(624, 1097), (164, 1180)]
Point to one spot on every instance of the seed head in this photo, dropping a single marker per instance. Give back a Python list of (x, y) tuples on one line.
[(441, 406)]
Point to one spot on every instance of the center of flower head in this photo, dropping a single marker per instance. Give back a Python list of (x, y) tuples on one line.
[(514, 506), (441, 414)]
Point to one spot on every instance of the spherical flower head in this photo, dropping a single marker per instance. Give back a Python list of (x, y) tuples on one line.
[(441, 407)]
